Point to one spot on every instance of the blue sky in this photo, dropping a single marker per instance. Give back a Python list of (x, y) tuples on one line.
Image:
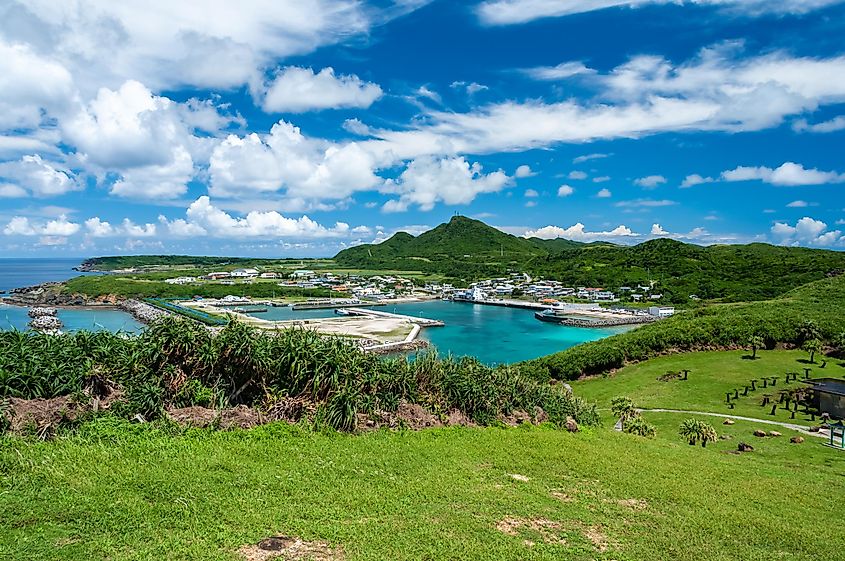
[(286, 128)]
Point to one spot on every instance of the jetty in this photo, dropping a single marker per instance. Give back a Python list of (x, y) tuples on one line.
[(332, 303), (423, 322)]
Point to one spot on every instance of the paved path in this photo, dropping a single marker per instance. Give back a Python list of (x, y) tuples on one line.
[(800, 428)]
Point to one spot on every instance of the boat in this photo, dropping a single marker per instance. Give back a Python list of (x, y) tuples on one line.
[(550, 315)]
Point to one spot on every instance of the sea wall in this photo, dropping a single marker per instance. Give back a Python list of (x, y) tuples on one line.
[(607, 322), (141, 311)]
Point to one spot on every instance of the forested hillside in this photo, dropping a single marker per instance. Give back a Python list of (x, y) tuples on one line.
[(469, 249)]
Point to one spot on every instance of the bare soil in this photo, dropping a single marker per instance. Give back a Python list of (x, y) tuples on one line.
[(289, 549), (241, 417)]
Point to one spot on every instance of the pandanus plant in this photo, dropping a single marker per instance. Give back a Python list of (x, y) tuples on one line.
[(695, 431)]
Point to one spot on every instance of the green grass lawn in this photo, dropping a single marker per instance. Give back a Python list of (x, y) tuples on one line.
[(129, 492), (712, 375)]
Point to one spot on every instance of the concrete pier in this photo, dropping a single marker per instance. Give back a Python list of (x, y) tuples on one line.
[(424, 322)]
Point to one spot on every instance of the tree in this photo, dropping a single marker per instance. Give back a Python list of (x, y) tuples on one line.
[(695, 431), (812, 346), (839, 343), (756, 342), (809, 330)]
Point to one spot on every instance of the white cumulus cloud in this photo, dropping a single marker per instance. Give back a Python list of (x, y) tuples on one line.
[(297, 90), (650, 182), (453, 181), (32, 174), (807, 231), (579, 232), (565, 191), (286, 160), (788, 174)]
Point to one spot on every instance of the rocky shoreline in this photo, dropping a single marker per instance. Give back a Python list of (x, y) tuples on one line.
[(51, 294)]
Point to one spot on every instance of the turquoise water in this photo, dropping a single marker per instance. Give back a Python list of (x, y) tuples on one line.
[(15, 317), (493, 334)]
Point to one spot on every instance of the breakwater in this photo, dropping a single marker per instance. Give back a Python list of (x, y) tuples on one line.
[(142, 312), (606, 322)]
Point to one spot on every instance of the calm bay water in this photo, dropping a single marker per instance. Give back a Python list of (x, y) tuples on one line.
[(493, 334), (15, 317), (15, 273)]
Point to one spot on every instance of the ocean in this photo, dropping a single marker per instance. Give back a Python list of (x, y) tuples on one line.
[(16, 273)]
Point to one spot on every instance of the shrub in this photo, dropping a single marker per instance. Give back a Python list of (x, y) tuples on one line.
[(637, 425), (694, 431), (176, 362)]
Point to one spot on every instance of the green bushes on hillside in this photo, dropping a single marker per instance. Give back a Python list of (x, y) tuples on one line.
[(725, 326), (469, 249), (177, 362)]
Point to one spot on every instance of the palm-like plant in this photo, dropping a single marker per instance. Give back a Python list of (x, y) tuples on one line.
[(812, 346), (623, 408), (694, 431), (756, 342)]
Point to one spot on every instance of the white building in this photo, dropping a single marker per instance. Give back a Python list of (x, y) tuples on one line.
[(180, 280), (661, 311), (244, 273)]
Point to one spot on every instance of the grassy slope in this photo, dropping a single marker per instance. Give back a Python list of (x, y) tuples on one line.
[(712, 374), (435, 494), (716, 326)]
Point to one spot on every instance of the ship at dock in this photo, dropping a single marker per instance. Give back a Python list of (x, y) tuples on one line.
[(591, 315)]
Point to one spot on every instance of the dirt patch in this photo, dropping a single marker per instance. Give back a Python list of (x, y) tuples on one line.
[(240, 417), (412, 416), (597, 537), (562, 497), (516, 418), (633, 504), (202, 417), (291, 409), (548, 530), (519, 477), (289, 549), (416, 417), (195, 416), (42, 416), (458, 419)]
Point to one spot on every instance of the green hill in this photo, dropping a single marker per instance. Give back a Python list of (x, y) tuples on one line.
[(469, 250), (719, 326), (460, 238)]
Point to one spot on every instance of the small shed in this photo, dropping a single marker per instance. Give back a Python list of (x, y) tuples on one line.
[(829, 396)]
